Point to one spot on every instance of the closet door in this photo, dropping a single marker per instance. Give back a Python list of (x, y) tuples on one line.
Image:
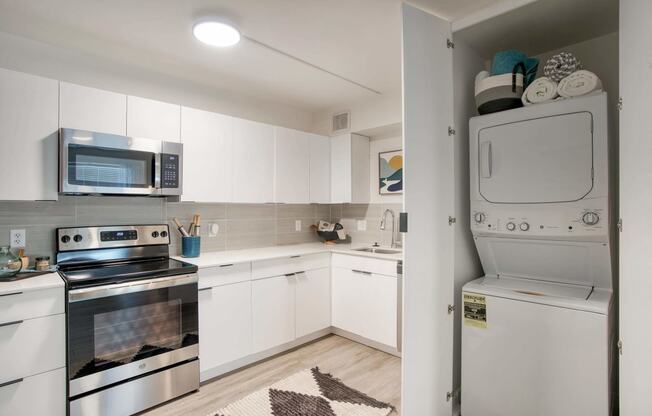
[(635, 202), (429, 197)]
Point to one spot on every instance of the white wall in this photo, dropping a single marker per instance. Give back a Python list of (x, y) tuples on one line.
[(376, 146), (26, 55)]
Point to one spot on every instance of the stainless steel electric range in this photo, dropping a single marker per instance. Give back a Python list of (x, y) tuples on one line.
[(132, 319)]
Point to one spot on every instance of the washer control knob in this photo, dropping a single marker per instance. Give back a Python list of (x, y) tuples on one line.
[(524, 226), (154, 234), (590, 218), (65, 239), (511, 226), (78, 238), (479, 217)]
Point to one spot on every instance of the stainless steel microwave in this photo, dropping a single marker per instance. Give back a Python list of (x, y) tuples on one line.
[(100, 163)]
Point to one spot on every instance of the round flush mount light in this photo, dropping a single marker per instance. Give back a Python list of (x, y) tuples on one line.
[(216, 33)]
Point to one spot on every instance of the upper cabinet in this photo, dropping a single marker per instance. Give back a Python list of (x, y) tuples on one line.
[(350, 169), (320, 169), (292, 181), (91, 109), (253, 161), (153, 119), (29, 120), (207, 152)]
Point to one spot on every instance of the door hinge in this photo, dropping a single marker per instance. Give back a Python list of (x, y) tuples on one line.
[(620, 225), (451, 394), (451, 309), (449, 44), (451, 131), (620, 103), (451, 220), (620, 347)]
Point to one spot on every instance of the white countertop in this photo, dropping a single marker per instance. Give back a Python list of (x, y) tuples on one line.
[(217, 258), (44, 281)]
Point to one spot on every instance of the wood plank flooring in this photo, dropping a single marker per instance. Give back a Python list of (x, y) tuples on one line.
[(371, 371)]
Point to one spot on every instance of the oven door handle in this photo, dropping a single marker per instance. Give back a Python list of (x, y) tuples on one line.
[(96, 292)]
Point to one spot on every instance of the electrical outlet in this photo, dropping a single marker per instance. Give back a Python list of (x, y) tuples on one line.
[(213, 229), (17, 238), (362, 225), (297, 225)]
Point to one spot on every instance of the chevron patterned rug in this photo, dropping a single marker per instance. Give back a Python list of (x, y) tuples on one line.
[(307, 393)]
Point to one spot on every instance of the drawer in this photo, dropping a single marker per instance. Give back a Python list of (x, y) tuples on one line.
[(32, 346), (25, 305), (224, 275), (278, 267), (42, 394), (365, 264)]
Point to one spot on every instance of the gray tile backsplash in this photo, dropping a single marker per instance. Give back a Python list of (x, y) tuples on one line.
[(240, 225)]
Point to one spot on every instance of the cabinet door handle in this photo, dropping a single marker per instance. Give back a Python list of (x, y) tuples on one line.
[(361, 272), (226, 265), (9, 383), (289, 274), (11, 323), (12, 294), (294, 257), (204, 288), (301, 273)]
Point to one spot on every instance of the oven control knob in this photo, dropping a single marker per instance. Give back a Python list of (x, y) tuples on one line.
[(511, 226), (590, 218), (479, 217), (164, 234), (78, 238), (154, 234), (524, 226), (65, 239)]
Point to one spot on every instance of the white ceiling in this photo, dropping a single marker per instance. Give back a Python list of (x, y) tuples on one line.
[(357, 39)]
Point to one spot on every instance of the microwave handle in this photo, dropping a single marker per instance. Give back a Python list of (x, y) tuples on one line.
[(157, 170)]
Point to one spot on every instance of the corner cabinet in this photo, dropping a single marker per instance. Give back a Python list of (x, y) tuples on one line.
[(253, 161), (350, 182), (30, 120)]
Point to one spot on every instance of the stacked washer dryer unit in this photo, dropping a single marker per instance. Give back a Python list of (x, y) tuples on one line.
[(537, 333)]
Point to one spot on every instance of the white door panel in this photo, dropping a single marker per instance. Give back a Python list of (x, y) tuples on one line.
[(313, 306), (273, 305)]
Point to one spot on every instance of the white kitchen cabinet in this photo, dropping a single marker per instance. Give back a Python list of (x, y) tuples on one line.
[(153, 119), (253, 161), (29, 119), (292, 180), (225, 324), (273, 305), (350, 169), (207, 152), (313, 301), (365, 304), (92, 109), (41, 394), (320, 169)]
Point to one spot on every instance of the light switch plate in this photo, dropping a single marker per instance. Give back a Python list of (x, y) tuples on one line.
[(297, 225), (17, 238), (362, 225)]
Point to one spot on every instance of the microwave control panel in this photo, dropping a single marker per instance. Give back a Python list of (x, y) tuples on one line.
[(169, 170)]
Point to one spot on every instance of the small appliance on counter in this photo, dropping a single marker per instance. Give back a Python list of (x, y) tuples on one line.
[(132, 321), (100, 163)]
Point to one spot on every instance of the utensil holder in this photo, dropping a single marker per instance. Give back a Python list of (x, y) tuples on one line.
[(190, 246)]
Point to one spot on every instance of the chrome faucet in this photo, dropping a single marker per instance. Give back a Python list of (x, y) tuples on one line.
[(383, 222)]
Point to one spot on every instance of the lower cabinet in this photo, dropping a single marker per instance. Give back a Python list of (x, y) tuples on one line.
[(365, 304), (313, 301), (41, 394), (225, 324), (273, 303)]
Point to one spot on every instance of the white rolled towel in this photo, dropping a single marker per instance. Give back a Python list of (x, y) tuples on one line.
[(578, 83), (540, 90)]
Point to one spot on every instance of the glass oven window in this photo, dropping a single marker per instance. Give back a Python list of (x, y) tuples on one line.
[(99, 166), (115, 330)]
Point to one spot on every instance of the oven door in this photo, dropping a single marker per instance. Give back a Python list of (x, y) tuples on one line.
[(117, 332)]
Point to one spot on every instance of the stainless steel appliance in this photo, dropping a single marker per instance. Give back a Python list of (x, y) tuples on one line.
[(100, 163), (132, 319)]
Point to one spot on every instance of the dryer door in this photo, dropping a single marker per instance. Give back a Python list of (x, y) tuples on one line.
[(542, 160)]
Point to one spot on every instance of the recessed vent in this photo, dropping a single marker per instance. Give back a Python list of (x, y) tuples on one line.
[(341, 122)]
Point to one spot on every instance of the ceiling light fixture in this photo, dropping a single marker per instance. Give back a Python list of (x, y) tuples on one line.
[(215, 33)]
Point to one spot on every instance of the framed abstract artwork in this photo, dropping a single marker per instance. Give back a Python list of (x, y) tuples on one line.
[(390, 172)]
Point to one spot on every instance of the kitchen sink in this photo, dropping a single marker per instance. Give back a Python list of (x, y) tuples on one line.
[(378, 250)]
